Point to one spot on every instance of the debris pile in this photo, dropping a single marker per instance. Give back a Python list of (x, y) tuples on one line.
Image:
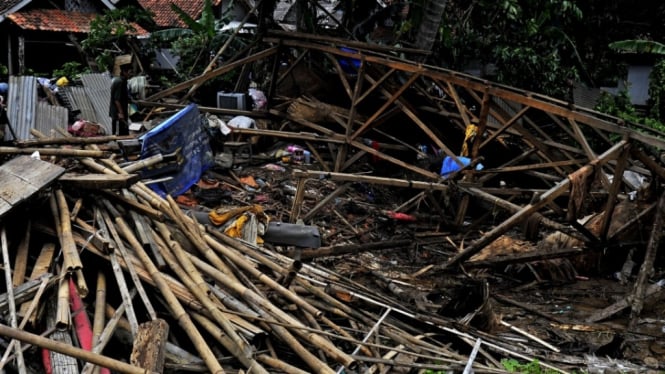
[(316, 237)]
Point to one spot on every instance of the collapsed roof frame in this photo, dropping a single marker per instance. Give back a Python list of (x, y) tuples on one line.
[(503, 110)]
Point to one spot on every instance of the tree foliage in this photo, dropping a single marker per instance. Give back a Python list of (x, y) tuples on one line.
[(110, 33)]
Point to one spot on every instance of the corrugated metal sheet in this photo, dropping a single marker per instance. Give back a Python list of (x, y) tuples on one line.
[(78, 99), (21, 105), (98, 89), (49, 117)]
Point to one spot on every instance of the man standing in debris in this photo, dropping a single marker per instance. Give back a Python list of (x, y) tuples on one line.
[(118, 108)]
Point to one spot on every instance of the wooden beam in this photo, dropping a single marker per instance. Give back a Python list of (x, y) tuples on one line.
[(370, 179), (391, 99), (212, 74), (646, 270), (526, 211), (613, 191)]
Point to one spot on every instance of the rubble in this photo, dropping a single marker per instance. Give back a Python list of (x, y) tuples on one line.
[(357, 256)]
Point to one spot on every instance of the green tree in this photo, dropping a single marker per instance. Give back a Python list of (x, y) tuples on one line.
[(111, 34)]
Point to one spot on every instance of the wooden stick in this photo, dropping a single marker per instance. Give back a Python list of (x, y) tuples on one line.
[(102, 218), (26, 318), (39, 269), (176, 308), (339, 250), (531, 336), (124, 253), (188, 274), (191, 230), (259, 301), (69, 350), (10, 295), (71, 140), (99, 316), (646, 270), (107, 333), (279, 365)]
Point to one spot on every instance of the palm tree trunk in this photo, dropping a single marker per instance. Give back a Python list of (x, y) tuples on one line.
[(429, 27)]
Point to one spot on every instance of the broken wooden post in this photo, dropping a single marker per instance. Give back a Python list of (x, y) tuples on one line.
[(148, 351), (21, 260), (646, 270)]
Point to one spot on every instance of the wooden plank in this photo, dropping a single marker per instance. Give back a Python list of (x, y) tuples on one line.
[(149, 348), (23, 176), (99, 181)]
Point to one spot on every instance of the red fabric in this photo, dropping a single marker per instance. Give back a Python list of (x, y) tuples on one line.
[(81, 321)]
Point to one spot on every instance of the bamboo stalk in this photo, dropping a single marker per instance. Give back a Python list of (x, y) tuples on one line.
[(190, 276), (190, 229), (269, 311), (175, 307), (124, 253), (100, 305), (71, 260), (26, 318), (81, 285), (69, 350), (53, 152), (102, 218), (70, 140), (251, 269), (279, 365), (10, 294), (141, 229), (98, 316), (62, 316)]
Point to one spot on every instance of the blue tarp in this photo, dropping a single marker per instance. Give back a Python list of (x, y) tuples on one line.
[(184, 135), (449, 165)]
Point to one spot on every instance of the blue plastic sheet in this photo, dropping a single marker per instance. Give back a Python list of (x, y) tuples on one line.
[(183, 135), (450, 166)]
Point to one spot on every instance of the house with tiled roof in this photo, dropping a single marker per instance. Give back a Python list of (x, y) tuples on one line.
[(165, 17), (43, 35)]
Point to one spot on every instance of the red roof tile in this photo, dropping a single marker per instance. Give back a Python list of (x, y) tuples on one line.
[(164, 16), (58, 20)]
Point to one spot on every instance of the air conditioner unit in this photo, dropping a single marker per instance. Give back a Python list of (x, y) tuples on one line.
[(233, 100)]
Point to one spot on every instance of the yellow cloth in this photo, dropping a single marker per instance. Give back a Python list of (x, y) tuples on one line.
[(235, 230), (219, 217), (471, 131), (62, 81)]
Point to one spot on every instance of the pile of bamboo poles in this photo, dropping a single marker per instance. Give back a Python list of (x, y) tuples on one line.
[(239, 307)]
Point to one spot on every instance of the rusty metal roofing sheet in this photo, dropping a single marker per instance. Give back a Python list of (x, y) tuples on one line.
[(98, 89), (21, 105)]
